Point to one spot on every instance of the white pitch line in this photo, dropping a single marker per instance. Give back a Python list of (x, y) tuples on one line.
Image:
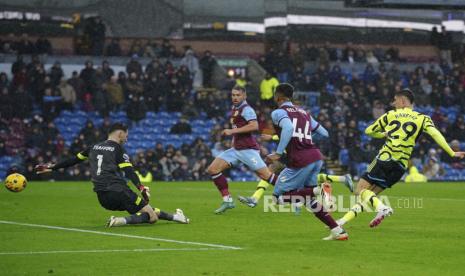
[(120, 235), (108, 251)]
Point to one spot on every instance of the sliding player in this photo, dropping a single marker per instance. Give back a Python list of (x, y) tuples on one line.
[(107, 162)]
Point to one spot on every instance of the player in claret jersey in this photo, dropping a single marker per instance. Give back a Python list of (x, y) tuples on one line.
[(278, 166), (298, 181), (245, 148)]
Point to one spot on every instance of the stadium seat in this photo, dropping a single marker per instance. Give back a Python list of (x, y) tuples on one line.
[(151, 115), (2, 174), (198, 123)]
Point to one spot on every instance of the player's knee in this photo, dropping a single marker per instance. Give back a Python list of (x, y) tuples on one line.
[(153, 217), (359, 190), (264, 174), (362, 185)]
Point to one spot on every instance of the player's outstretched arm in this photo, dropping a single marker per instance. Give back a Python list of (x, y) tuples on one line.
[(45, 168), (441, 141)]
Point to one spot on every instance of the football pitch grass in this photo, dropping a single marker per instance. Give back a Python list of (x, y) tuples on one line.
[(57, 228)]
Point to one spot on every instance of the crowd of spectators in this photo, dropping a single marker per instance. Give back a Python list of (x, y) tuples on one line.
[(43, 143), (347, 97), (33, 97), (23, 45), (152, 87), (283, 63)]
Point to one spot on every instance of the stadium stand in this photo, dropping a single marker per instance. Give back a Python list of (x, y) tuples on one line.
[(344, 87)]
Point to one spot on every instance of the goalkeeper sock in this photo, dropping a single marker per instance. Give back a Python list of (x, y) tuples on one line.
[(261, 188), (163, 215), (138, 218)]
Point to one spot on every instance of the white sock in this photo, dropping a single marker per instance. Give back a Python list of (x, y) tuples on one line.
[(227, 198), (316, 190), (337, 230)]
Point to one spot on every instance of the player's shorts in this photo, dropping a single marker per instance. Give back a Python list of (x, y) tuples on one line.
[(294, 179), (384, 174), (250, 157), (125, 200)]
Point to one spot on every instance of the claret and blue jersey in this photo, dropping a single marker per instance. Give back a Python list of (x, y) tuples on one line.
[(245, 148), (295, 128)]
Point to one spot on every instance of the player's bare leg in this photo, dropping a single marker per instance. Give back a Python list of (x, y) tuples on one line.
[(145, 215), (367, 197), (215, 171), (268, 178)]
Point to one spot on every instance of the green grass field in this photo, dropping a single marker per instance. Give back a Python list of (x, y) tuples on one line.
[(424, 240)]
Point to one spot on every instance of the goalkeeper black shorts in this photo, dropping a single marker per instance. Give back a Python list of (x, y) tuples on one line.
[(125, 200)]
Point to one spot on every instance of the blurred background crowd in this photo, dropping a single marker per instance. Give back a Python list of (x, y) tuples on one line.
[(176, 100)]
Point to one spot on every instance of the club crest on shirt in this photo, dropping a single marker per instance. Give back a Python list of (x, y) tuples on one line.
[(126, 157), (236, 113)]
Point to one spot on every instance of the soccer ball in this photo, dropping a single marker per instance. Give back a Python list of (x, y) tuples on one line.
[(15, 182)]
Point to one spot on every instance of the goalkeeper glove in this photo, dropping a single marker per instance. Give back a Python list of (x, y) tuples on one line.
[(44, 168), (145, 192)]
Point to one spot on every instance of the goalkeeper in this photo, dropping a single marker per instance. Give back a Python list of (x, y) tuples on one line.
[(108, 161)]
